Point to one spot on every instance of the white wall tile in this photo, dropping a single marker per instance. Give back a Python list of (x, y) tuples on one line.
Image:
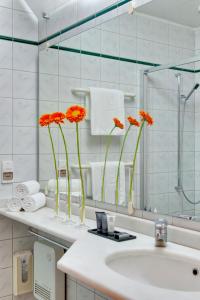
[(5, 83), (25, 57), (109, 70), (69, 65), (6, 111), (90, 67), (91, 40), (5, 254), (24, 140), (6, 21), (5, 228), (25, 25), (5, 282), (5, 54), (24, 85), (48, 87), (25, 167), (6, 140), (109, 43), (24, 112)]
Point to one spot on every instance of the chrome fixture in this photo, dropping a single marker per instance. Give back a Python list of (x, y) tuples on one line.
[(182, 99), (191, 92), (160, 233)]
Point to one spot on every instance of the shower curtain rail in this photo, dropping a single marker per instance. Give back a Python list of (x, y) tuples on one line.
[(175, 64)]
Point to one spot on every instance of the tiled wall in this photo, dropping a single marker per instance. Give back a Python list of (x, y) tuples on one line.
[(18, 102), (18, 93), (14, 237)]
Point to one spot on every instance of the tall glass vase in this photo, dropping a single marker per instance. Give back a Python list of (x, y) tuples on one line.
[(131, 203)]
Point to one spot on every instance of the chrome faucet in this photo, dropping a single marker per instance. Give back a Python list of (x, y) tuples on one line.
[(160, 233)]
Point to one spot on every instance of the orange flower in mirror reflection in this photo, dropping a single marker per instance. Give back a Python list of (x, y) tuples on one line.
[(133, 121), (118, 123), (76, 114), (45, 120), (58, 117), (146, 117)]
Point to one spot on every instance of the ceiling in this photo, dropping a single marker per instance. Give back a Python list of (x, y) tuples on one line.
[(48, 6), (184, 12)]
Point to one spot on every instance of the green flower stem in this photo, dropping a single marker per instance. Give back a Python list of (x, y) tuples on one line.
[(105, 161), (56, 170), (118, 170), (68, 172), (134, 160), (81, 174)]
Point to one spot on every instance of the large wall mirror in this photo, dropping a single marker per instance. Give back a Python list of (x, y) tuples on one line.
[(113, 55)]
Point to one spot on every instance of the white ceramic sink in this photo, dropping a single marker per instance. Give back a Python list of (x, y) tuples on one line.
[(159, 268)]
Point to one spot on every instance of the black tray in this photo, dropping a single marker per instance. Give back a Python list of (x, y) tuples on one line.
[(112, 237)]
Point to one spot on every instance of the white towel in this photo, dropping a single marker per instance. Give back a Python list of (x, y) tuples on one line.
[(27, 188), (33, 202), (63, 185), (106, 104), (51, 185), (14, 204), (110, 181)]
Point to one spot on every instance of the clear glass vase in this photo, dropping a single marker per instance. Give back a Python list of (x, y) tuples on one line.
[(57, 213), (131, 203), (82, 224), (68, 219)]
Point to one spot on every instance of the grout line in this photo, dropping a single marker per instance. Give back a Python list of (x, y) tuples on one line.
[(123, 59)]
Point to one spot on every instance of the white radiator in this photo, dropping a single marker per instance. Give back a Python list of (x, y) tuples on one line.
[(48, 280)]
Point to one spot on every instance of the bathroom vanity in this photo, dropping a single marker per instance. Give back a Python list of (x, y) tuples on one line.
[(134, 269)]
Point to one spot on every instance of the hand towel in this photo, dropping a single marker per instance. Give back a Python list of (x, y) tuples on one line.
[(110, 181), (106, 104), (33, 202), (14, 204), (27, 188)]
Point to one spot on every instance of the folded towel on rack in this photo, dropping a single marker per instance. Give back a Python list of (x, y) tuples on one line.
[(106, 104), (33, 202), (110, 181), (14, 204), (27, 188)]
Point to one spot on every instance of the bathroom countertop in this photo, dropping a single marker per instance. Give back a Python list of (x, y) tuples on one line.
[(86, 261), (44, 220), (86, 258)]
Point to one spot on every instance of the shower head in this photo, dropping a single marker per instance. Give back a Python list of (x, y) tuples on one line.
[(192, 91)]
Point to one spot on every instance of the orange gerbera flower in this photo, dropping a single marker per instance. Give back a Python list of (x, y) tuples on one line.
[(118, 123), (45, 120), (75, 113), (58, 117), (133, 121), (146, 117)]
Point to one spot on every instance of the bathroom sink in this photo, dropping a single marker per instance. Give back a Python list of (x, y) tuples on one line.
[(159, 268)]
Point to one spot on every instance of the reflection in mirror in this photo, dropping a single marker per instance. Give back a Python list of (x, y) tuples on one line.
[(113, 56)]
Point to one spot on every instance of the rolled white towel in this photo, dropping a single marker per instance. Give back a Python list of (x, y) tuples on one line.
[(14, 204), (27, 188), (33, 202), (51, 186)]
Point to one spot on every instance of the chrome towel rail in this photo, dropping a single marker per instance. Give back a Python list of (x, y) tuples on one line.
[(48, 239)]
